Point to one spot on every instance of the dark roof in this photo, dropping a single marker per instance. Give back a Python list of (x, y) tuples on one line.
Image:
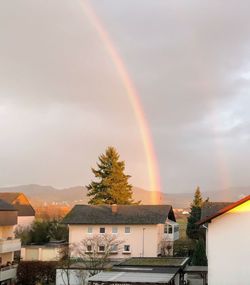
[(210, 208), (23, 206), (126, 214), (227, 207), (4, 206)]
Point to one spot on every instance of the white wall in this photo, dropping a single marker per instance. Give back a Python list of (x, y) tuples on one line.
[(134, 238), (76, 277), (229, 248), (25, 221), (42, 253)]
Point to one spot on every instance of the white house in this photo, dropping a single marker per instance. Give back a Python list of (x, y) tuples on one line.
[(8, 244), (26, 213), (228, 242), (142, 228)]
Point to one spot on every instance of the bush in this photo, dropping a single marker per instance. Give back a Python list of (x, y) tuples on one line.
[(32, 272), (184, 247), (199, 256)]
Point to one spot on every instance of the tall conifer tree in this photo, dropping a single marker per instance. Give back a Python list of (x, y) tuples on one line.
[(195, 215), (112, 185)]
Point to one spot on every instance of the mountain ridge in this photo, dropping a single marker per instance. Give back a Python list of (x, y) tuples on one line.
[(40, 195)]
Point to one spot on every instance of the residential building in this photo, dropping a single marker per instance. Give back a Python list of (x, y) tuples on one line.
[(8, 244), (26, 213), (227, 237), (145, 230)]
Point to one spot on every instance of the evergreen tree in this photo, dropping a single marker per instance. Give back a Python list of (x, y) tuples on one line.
[(112, 186), (199, 257), (195, 215)]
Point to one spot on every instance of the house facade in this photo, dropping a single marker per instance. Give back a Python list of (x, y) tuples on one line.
[(8, 244), (26, 213), (145, 231), (228, 237)]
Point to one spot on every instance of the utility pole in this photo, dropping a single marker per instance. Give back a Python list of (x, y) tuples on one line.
[(143, 230)]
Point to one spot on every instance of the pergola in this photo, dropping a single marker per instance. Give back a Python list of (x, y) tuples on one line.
[(200, 270), (128, 278)]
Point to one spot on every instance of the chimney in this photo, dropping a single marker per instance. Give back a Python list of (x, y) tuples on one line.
[(114, 208)]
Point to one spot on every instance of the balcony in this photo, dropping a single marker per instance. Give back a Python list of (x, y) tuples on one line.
[(171, 231), (9, 245), (8, 272)]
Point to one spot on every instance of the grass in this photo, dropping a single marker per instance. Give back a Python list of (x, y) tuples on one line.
[(163, 261)]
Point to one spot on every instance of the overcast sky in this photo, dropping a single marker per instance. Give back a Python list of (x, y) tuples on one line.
[(62, 102)]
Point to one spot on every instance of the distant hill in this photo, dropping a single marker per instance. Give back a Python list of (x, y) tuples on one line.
[(40, 195)]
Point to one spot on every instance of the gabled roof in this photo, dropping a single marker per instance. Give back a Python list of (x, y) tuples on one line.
[(19, 201), (125, 214), (4, 206), (210, 208), (217, 209)]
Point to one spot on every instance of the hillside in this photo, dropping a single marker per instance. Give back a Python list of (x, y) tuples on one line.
[(39, 195)]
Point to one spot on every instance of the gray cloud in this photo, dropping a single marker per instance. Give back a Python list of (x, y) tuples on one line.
[(61, 97)]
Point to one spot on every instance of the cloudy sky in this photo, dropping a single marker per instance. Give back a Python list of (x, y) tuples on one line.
[(62, 102)]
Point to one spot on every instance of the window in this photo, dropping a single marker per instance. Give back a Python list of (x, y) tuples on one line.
[(127, 230), (126, 248), (89, 248), (176, 229), (90, 230), (101, 248), (102, 230), (170, 229), (114, 230), (165, 229), (114, 248)]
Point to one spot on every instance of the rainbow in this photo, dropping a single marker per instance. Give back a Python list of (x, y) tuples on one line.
[(152, 165)]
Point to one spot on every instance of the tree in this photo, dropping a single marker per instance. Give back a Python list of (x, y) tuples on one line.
[(112, 186), (95, 251), (166, 247), (41, 232), (87, 257), (199, 257), (195, 215)]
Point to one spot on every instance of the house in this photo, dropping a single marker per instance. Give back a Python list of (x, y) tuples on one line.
[(145, 230), (26, 213), (227, 237), (8, 244)]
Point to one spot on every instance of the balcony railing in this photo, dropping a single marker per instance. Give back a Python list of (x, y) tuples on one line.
[(10, 245), (8, 272)]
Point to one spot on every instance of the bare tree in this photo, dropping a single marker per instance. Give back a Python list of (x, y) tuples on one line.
[(65, 263), (95, 251), (166, 247), (88, 257)]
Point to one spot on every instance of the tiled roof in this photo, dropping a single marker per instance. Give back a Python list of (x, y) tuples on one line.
[(220, 209), (4, 206), (23, 206), (210, 208), (125, 214)]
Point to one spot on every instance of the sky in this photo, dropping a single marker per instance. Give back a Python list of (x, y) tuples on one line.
[(62, 101)]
